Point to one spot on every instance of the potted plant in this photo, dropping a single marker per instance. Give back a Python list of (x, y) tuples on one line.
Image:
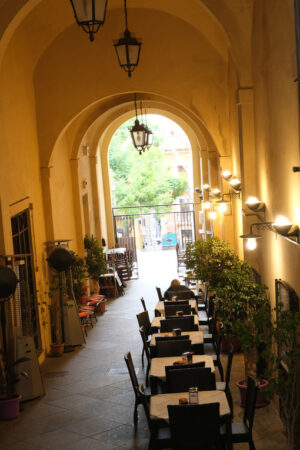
[(284, 371), (60, 259), (9, 400), (95, 261), (213, 261)]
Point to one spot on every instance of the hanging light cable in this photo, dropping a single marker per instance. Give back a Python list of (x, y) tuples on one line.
[(138, 132), (128, 48)]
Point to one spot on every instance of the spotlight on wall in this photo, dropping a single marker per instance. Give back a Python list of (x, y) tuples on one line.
[(207, 205), (222, 205), (89, 14), (128, 48), (254, 204), (199, 192), (226, 174), (296, 169), (216, 193), (212, 215), (206, 187), (283, 226), (236, 184)]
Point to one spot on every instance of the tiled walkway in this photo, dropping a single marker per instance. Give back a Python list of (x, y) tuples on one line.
[(87, 407)]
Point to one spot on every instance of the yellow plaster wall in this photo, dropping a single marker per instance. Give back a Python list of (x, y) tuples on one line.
[(277, 135)]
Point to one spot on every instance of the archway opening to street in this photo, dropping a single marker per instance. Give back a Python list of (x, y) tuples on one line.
[(152, 193)]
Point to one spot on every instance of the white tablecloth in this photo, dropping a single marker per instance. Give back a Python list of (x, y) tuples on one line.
[(158, 365), (196, 337), (159, 403)]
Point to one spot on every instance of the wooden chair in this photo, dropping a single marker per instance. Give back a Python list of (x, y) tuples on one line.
[(172, 348), (143, 303), (195, 426), (160, 435), (180, 380), (224, 385), (160, 297), (108, 286), (144, 321), (184, 323), (135, 386), (171, 310), (242, 432), (147, 353)]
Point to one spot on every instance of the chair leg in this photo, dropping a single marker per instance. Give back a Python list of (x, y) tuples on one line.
[(219, 364), (229, 399), (251, 444), (135, 414), (147, 374), (143, 357)]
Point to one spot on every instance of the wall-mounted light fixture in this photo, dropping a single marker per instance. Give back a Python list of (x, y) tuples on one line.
[(236, 184), (281, 226), (222, 204), (207, 205), (128, 48), (284, 227), (296, 169), (255, 205), (216, 193), (89, 14), (200, 193), (226, 174), (212, 215), (206, 187)]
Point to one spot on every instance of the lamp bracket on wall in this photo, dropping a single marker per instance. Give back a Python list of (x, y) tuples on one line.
[(246, 214), (290, 232), (233, 194)]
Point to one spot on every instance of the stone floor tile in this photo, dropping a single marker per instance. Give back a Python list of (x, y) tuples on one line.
[(92, 425), (53, 439)]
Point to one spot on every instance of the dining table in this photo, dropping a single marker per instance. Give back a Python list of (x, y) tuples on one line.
[(159, 407)]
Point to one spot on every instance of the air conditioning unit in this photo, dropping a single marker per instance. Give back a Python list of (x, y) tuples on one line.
[(32, 386)]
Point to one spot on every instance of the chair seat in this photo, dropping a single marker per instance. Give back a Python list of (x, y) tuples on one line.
[(240, 432), (82, 315), (164, 434), (220, 386)]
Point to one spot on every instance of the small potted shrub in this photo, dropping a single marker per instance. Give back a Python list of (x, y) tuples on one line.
[(95, 261)]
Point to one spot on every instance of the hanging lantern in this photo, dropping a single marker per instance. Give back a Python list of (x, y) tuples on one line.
[(89, 14), (138, 133), (128, 49)]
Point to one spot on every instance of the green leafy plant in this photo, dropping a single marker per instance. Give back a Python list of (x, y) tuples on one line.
[(78, 269), (284, 371), (95, 258), (241, 305)]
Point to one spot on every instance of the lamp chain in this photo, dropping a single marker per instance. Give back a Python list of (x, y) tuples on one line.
[(125, 13), (135, 101)]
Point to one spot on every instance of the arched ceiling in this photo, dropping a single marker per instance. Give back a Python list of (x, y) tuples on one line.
[(186, 48)]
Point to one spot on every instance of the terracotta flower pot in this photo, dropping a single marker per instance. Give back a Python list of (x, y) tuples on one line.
[(9, 406), (57, 349), (261, 399)]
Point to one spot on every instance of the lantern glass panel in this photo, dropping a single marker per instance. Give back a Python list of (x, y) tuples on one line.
[(84, 10)]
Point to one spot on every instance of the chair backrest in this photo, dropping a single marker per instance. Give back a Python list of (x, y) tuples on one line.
[(160, 297), (172, 348), (177, 303), (172, 338), (250, 402), (171, 310), (132, 373), (181, 295), (182, 379), (195, 426), (184, 323), (217, 343), (144, 339), (183, 366), (143, 303), (229, 364), (144, 321)]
